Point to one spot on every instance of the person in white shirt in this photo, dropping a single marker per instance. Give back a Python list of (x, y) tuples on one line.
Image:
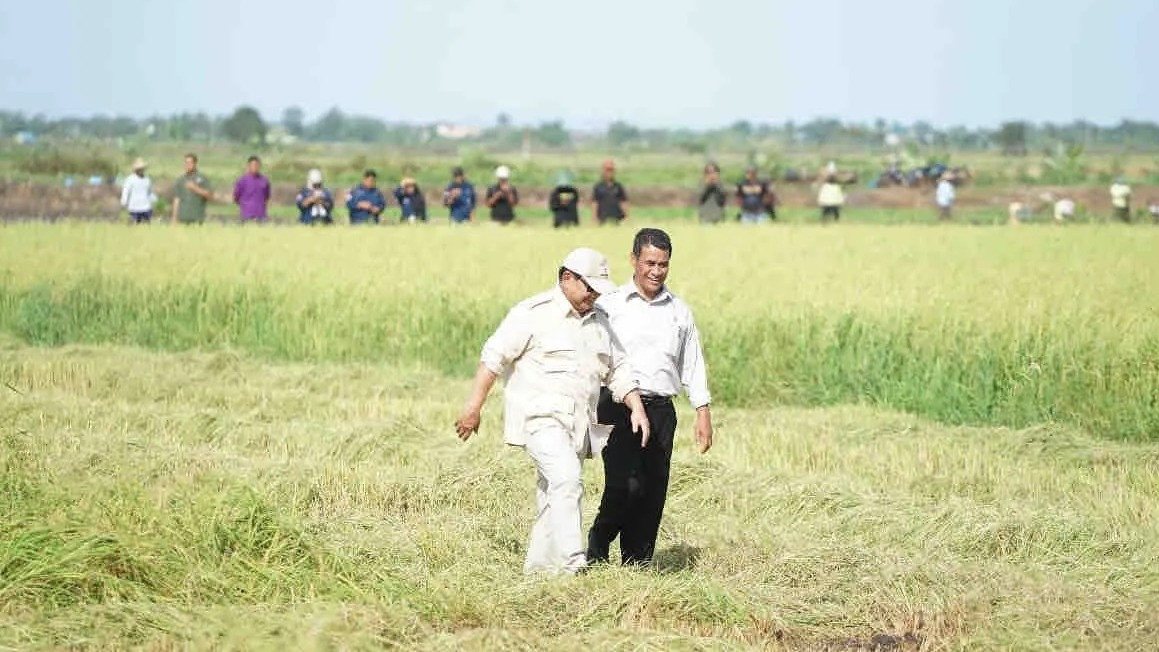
[(1121, 200), (554, 351), (663, 346), (137, 194), (945, 195)]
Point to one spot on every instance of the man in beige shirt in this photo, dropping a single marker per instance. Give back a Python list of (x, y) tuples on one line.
[(554, 351), (663, 344)]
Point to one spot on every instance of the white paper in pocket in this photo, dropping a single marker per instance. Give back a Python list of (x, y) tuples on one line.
[(598, 435)]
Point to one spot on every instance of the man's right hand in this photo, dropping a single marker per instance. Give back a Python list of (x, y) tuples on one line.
[(468, 422)]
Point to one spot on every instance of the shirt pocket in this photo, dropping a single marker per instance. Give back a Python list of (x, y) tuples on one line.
[(560, 356), (549, 410)]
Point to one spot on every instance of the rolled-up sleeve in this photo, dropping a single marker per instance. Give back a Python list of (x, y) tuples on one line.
[(693, 374), (508, 342), (621, 375)]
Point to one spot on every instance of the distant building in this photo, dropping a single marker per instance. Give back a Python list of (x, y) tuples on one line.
[(457, 132)]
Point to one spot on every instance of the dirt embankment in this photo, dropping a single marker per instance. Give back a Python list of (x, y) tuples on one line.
[(32, 200)]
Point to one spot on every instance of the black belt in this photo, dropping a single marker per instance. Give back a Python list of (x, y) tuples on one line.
[(655, 399)]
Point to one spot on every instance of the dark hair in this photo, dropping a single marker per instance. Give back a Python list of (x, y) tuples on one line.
[(711, 166), (457, 172), (192, 156), (651, 238), (253, 159), (370, 173)]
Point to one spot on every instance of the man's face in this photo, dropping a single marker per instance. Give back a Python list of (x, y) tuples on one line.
[(751, 175), (254, 167), (458, 178), (190, 165), (578, 293), (609, 173), (368, 181), (650, 270), (712, 176)]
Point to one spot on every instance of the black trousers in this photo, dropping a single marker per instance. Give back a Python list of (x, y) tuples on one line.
[(635, 482)]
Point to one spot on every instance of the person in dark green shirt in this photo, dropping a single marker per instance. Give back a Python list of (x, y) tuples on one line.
[(191, 193)]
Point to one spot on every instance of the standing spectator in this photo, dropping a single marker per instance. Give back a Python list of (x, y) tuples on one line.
[(710, 206), (137, 195), (365, 201), (1121, 200), (609, 199), (459, 197), (564, 202), (1153, 208), (252, 192), (1064, 210), (502, 198), (831, 198), (411, 201), (553, 351), (753, 197), (945, 195), (315, 202), (192, 193)]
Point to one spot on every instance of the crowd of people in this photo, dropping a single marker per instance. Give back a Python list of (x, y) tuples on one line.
[(753, 196)]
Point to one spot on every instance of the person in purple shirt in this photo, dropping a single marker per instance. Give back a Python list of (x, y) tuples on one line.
[(252, 191)]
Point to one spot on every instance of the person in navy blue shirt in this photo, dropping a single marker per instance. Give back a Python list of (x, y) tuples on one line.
[(411, 201), (459, 197), (315, 203), (366, 201)]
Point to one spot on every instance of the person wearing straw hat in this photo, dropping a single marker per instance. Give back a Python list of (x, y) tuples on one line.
[(315, 202), (137, 195), (564, 202), (502, 198), (411, 202), (554, 351)]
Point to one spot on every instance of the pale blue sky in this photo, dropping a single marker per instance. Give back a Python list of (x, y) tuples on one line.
[(656, 63)]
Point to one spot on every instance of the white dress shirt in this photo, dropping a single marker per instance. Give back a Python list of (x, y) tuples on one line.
[(662, 342)]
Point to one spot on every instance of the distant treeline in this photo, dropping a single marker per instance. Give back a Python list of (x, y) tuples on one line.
[(247, 125)]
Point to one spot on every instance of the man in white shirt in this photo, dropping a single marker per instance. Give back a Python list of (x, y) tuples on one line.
[(554, 351), (660, 336), (137, 194), (945, 195)]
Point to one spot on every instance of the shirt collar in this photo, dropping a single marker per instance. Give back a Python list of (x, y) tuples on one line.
[(564, 306), (629, 289)]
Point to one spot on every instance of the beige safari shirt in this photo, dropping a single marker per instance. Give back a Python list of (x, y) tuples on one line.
[(553, 362)]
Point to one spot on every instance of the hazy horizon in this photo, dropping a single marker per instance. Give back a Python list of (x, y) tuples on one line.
[(683, 63)]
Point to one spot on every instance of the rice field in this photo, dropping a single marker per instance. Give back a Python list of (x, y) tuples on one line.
[(240, 438)]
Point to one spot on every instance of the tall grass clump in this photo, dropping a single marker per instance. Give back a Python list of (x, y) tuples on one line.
[(999, 326)]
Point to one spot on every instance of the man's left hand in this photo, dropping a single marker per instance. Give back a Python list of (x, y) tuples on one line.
[(704, 429)]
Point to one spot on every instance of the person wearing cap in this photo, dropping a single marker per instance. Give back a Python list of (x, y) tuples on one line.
[(251, 193), (191, 194), (502, 198), (710, 205), (945, 195), (137, 195), (1121, 200), (564, 202), (659, 334), (365, 201), (411, 201), (609, 199), (459, 197), (315, 202), (831, 197), (753, 197), (554, 351)]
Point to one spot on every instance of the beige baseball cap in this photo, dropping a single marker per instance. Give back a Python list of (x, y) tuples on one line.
[(592, 267), (139, 164)]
